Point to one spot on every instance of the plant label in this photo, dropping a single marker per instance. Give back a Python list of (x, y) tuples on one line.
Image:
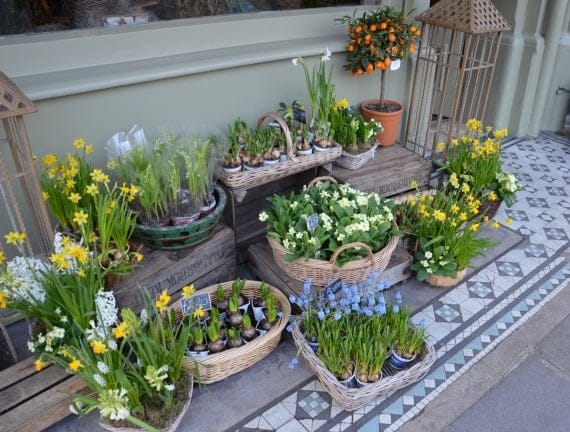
[(299, 115), (312, 222), (395, 65), (189, 305)]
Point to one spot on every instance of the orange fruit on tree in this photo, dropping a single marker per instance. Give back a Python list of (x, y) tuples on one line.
[(412, 48), (368, 38), (351, 48), (418, 32), (379, 64), (392, 37), (413, 29), (369, 68), (359, 71), (373, 27), (387, 62), (358, 29), (383, 26)]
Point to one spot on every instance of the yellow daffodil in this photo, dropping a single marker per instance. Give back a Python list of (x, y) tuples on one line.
[(508, 222), (413, 184), (111, 165), (15, 238), (492, 196), (199, 313), (49, 159), (79, 143), (60, 261), (440, 147), (495, 224), (92, 189), (162, 302), (474, 227), (2, 257), (123, 330), (75, 365), (80, 273), (3, 300), (99, 176), (39, 365), (89, 149), (98, 347), (74, 197), (463, 216), (438, 215), (188, 291), (45, 196), (80, 217), (465, 188)]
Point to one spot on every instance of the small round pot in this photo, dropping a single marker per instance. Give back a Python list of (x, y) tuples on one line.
[(304, 152), (270, 162), (398, 362), (349, 382), (318, 149), (248, 167), (232, 169)]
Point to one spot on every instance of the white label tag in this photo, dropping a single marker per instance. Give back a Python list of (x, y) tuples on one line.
[(395, 65)]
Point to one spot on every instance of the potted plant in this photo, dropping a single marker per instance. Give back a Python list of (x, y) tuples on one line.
[(335, 352), (474, 159), (304, 144), (379, 40), (236, 135), (235, 318), (220, 299), (409, 340), (446, 226), (271, 315), (234, 338), (197, 345), (215, 341), (254, 149)]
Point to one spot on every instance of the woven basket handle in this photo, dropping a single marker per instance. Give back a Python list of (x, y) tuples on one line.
[(284, 128), (321, 179), (353, 245)]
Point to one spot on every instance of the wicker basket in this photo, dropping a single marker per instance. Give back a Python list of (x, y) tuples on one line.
[(489, 208), (174, 237), (216, 367), (353, 162), (171, 428), (293, 164), (321, 272), (351, 399)]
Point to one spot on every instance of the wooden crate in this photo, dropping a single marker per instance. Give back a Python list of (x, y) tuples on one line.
[(244, 205), (207, 263), (262, 265), (389, 173), (32, 401)]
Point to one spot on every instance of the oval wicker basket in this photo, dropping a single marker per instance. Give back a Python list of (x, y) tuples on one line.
[(293, 165), (174, 237), (215, 367), (353, 162), (353, 398)]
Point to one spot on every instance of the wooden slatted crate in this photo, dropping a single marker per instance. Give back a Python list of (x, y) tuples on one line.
[(389, 173)]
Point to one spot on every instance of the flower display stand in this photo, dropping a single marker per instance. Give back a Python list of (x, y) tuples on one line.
[(389, 173), (262, 265), (205, 264)]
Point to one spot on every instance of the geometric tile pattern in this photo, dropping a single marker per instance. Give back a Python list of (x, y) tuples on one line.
[(468, 321)]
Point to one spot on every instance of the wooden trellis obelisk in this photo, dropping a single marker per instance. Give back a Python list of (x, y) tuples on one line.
[(454, 70)]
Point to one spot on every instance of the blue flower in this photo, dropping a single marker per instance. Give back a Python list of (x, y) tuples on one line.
[(398, 297), (321, 314), (380, 309), (371, 301), (395, 308), (293, 363), (289, 328), (337, 315), (307, 286), (293, 299)]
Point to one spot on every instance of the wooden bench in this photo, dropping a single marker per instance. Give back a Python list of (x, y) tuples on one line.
[(32, 401)]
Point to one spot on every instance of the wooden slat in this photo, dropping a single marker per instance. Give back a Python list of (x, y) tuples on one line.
[(43, 410), (17, 372), (389, 173), (31, 386)]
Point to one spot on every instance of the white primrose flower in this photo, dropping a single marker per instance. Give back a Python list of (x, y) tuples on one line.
[(428, 255), (170, 387), (31, 346), (263, 216)]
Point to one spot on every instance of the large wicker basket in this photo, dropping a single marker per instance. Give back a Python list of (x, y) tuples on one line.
[(293, 164), (353, 162), (321, 272), (216, 367), (351, 399)]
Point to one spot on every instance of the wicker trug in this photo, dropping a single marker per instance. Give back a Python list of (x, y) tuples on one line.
[(353, 162), (216, 367), (293, 164), (350, 399)]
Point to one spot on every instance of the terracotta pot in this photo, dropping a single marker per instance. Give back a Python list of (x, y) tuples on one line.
[(390, 121)]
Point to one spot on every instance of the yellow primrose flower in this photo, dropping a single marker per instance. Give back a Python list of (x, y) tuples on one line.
[(74, 197), (49, 159), (111, 165), (39, 365), (508, 222), (188, 291), (495, 224), (80, 217), (45, 196), (79, 143), (14, 237), (98, 347), (199, 312), (89, 149), (75, 365)]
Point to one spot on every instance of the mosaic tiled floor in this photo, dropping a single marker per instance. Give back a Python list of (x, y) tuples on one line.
[(465, 323)]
